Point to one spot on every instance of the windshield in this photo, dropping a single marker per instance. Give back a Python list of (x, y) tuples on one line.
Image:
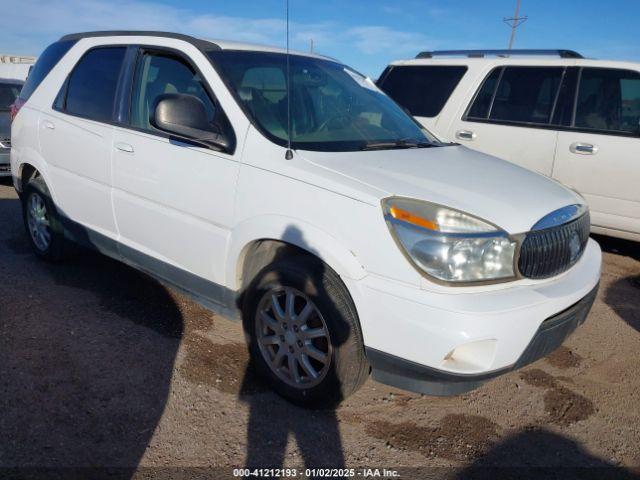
[(8, 94), (333, 108)]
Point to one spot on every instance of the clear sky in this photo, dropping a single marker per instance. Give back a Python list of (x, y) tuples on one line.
[(364, 34)]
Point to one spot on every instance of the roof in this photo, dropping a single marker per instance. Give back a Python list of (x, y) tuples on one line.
[(200, 43)]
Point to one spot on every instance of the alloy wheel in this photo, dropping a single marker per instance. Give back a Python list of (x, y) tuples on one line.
[(293, 337), (38, 221)]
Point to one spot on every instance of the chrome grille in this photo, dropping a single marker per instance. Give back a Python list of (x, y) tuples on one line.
[(5, 143), (551, 251)]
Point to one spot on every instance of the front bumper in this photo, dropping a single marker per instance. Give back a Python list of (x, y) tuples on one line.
[(472, 333), (5, 163), (414, 377)]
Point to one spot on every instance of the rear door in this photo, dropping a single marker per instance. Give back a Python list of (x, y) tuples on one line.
[(173, 200), (76, 136), (598, 153), (511, 114)]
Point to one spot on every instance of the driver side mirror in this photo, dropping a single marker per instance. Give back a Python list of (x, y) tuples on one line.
[(185, 117)]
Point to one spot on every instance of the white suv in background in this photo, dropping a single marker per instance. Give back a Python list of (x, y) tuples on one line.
[(363, 243), (573, 119)]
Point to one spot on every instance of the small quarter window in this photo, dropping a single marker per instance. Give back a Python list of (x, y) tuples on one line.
[(423, 90), (482, 103), (563, 113), (91, 87)]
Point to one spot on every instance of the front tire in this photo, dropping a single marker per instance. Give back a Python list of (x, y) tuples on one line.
[(41, 220), (303, 332)]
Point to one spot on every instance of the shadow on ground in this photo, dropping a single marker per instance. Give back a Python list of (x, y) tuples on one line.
[(87, 351), (619, 246), (542, 454), (623, 295), (273, 421)]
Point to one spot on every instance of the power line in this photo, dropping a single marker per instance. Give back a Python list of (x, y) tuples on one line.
[(514, 22)]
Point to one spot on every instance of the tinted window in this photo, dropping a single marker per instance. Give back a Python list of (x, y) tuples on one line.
[(157, 74), (482, 103), (47, 60), (8, 94), (526, 94), (609, 100), (423, 90), (91, 87), (563, 113)]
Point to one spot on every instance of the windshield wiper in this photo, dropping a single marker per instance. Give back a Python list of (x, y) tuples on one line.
[(404, 143)]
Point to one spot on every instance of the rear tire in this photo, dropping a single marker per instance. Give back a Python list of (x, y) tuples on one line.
[(311, 353), (41, 220)]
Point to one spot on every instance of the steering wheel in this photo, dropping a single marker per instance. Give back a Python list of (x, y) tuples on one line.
[(339, 118)]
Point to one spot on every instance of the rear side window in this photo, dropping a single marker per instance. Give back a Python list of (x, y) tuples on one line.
[(91, 87), (518, 94), (609, 100), (423, 90), (47, 60), (526, 94)]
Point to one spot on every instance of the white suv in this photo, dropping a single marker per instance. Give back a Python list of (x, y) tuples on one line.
[(363, 244), (551, 111)]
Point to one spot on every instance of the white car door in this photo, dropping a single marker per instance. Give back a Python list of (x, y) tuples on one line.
[(173, 200), (510, 116), (75, 140), (599, 154)]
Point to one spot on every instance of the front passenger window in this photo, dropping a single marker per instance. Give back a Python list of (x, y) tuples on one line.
[(159, 74)]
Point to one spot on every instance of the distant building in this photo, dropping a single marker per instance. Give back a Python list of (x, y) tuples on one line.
[(15, 66)]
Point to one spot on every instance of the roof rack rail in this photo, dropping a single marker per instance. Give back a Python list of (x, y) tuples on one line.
[(499, 53), (201, 44)]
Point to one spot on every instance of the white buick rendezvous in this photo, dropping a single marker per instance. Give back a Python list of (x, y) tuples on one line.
[(289, 191)]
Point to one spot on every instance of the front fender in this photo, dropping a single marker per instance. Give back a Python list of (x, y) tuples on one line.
[(295, 232)]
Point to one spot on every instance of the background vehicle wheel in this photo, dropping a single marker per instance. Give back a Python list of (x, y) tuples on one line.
[(303, 332), (41, 220)]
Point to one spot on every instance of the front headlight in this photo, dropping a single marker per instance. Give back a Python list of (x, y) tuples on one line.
[(449, 245)]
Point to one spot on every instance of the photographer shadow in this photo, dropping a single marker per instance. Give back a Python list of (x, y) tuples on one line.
[(87, 351), (273, 420)]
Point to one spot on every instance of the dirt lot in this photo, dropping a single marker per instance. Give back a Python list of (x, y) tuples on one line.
[(103, 366)]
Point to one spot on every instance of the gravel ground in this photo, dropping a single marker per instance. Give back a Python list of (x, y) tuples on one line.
[(102, 366)]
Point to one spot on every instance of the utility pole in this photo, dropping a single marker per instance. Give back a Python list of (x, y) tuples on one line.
[(514, 22), (311, 45)]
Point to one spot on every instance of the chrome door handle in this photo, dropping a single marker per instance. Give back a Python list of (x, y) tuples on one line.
[(47, 124), (465, 135), (124, 147), (583, 148)]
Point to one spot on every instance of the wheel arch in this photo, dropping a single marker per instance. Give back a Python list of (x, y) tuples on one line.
[(256, 243)]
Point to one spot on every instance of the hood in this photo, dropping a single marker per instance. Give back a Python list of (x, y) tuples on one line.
[(454, 176)]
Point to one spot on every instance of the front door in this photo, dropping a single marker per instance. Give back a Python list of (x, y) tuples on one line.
[(173, 200), (511, 115)]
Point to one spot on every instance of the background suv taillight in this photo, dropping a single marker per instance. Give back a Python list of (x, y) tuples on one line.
[(16, 106)]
